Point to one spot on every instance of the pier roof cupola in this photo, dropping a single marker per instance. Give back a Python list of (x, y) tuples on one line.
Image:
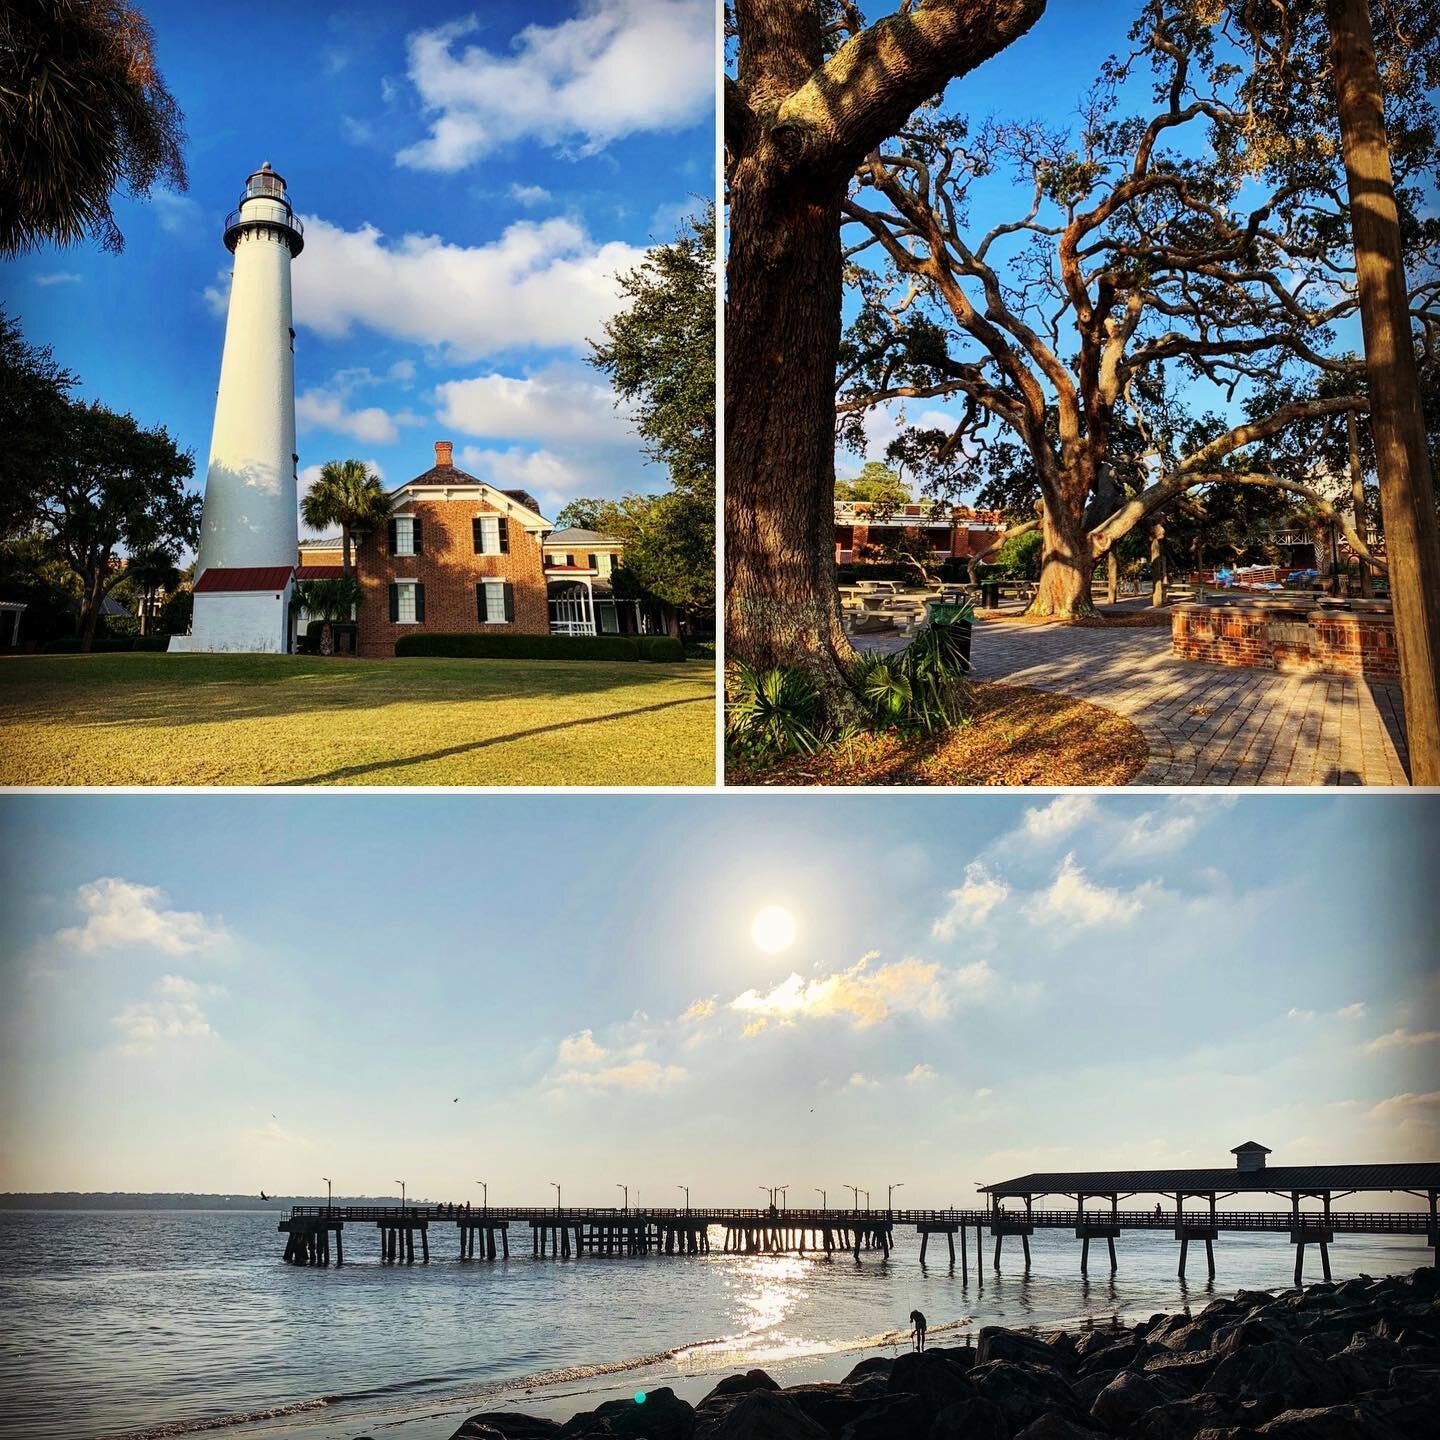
[(265, 206), (1250, 1156)]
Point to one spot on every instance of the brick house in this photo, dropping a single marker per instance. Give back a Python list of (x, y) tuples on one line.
[(931, 528), (460, 556)]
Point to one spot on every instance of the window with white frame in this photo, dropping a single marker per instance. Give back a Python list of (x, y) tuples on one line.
[(405, 535), (494, 602), (488, 535), (405, 608)]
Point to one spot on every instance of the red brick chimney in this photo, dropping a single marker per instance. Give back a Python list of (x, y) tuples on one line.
[(442, 454)]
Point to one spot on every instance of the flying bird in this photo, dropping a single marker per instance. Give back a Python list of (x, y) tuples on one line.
[(456, 1100), (263, 1195)]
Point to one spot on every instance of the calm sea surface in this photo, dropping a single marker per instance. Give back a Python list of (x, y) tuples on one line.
[(172, 1321)]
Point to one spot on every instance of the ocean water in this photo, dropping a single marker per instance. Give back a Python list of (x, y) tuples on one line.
[(175, 1322)]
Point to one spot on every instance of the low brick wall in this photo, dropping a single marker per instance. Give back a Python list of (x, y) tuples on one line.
[(1289, 636)]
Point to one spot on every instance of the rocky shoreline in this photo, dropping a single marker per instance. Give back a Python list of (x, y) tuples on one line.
[(1352, 1361)]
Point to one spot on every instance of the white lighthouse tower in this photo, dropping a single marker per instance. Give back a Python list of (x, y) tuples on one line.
[(249, 528)]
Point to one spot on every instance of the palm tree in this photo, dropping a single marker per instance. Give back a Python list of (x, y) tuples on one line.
[(152, 571), (327, 601), (348, 494), (84, 110)]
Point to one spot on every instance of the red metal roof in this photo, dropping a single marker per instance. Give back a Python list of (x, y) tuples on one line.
[(319, 572), (229, 580)]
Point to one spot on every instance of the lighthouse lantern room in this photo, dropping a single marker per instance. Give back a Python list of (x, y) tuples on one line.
[(249, 528)]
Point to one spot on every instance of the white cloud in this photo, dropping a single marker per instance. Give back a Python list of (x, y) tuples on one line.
[(177, 213), (321, 409), (529, 194), (541, 472), (274, 1136), (1074, 901), (1403, 1039), (1145, 834), (582, 1063), (580, 1049), (864, 995), (983, 1093), (972, 902), (561, 402), (57, 277), (1059, 817), (1351, 1012), (541, 284), (175, 1015), (922, 1074), (122, 915), (619, 67), (700, 1010), (1413, 1119), (860, 1081)]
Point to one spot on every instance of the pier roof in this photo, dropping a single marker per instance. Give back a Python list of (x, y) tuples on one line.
[(1418, 1175)]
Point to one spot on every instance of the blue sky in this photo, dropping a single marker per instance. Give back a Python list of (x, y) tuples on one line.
[(471, 178), (231, 992)]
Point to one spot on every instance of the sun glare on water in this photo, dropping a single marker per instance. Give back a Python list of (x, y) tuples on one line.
[(773, 928)]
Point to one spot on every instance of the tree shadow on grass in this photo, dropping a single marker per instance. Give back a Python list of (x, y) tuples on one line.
[(104, 692), (349, 772)]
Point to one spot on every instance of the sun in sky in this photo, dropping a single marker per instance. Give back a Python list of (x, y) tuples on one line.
[(773, 928)]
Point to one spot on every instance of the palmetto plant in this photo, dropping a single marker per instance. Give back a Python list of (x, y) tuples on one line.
[(327, 601), (83, 111), (772, 712), (349, 494), (921, 688)]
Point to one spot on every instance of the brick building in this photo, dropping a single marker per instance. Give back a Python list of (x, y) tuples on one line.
[(460, 556), (931, 528)]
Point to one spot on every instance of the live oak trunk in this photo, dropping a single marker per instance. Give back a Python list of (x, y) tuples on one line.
[(1406, 494), (782, 338), (797, 125), (1066, 566), (1157, 565)]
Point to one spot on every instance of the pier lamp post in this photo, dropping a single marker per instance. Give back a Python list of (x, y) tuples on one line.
[(770, 1191), (556, 1185), (484, 1195), (686, 1189), (821, 1194), (855, 1190), (784, 1196), (401, 1184), (890, 1197), (867, 1199), (621, 1185), (329, 1194)]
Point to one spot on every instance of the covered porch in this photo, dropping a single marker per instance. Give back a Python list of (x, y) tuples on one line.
[(581, 603)]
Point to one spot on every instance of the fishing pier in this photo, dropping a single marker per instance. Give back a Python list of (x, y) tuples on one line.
[(1188, 1206)]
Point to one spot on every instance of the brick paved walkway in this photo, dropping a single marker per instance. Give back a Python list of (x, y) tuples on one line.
[(1207, 724)]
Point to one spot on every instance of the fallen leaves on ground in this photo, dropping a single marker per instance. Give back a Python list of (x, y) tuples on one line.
[(1015, 736)]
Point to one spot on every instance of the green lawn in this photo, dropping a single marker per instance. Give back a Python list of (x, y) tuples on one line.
[(146, 719)]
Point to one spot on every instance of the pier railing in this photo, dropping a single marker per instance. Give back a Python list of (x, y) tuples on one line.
[(1349, 1222)]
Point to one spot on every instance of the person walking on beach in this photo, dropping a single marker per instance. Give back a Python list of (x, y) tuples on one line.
[(917, 1319)]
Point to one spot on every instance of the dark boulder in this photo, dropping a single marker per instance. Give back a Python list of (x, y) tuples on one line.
[(1332, 1422), (1057, 1427), (895, 1417), (1186, 1372), (1112, 1358), (833, 1406), (756, 1415), (1127, 1397), (1198, 1415), (1286, 1372), (662, 1415), (741, 1384), (871, 1365), (997, 1343), (472, 1429), (1025, 1392), (509, 1423), (935, 1379), (974, 1418)]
